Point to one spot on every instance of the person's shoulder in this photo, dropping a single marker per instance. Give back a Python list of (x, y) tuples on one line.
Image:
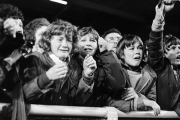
[(74, 60), (35, 57), (37, 54), (150, 70)]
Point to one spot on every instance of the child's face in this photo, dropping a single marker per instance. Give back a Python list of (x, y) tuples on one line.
[(87, 45), (173, 54), (133, 54), (61, 46)]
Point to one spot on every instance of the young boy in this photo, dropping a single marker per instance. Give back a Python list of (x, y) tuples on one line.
[(164, 58), (99, 70)]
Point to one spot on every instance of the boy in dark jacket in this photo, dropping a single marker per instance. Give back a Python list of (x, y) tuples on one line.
[(164, 58), (101, 71)]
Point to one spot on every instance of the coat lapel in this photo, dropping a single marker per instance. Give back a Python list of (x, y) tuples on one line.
[(143, 81)]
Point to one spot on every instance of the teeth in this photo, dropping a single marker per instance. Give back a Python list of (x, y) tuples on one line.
[(178, 57), (87, 49)]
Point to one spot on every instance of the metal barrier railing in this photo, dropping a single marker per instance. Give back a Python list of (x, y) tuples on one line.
[(48, 112)]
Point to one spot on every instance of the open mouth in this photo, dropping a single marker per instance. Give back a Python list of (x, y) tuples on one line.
[(88, 49), (63, 50), (137, 58), (178, 57)]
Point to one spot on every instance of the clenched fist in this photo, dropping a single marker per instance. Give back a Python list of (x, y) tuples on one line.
[(89, 65)]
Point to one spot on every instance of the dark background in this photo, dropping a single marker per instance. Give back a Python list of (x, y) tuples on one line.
[(128, 16)]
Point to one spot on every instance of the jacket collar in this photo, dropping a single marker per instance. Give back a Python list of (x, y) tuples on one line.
[(146, 77), (129, 68), (143, 81)]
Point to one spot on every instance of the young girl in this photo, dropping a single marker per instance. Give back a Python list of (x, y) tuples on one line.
[(140, 90)]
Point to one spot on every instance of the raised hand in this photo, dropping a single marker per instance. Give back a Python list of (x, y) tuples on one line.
[(15, 55), (129, 93), (89, 65), (12, 26), (58, 71), (168, 5), (159, 17)]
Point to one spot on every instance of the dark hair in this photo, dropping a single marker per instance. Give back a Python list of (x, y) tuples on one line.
[(113, 30), (58, 27), (31, 28), (127, 41), (170, 40), (10, 11)]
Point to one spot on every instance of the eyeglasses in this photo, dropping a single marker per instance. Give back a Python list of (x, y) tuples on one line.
[(114, 39)]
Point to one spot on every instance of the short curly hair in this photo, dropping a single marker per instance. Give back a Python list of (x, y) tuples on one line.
[(10, 11), (31, 28), (58, 27)]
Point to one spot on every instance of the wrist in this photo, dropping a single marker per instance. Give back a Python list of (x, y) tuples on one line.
[(88, 74), (147, 102), (9, 60), (6, 65), (158, 20), (157, 26)]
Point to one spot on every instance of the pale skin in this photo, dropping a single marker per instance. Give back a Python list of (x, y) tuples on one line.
[(58, 71), (130, 93), (61, 48), (11, 26), (88, 45), (89, 65)]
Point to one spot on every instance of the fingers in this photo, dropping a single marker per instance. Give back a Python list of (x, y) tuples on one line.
[(90, 62), (60, 65), (57, 72), (129, 96), (61, 74), (88, 59), (156, 108), (87, 56), (169, 2), (11, 26), (128, 91), (8, 23), (156, 112)]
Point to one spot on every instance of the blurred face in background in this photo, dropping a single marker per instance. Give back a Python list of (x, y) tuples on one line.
[(112, 41), (38, 36)]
